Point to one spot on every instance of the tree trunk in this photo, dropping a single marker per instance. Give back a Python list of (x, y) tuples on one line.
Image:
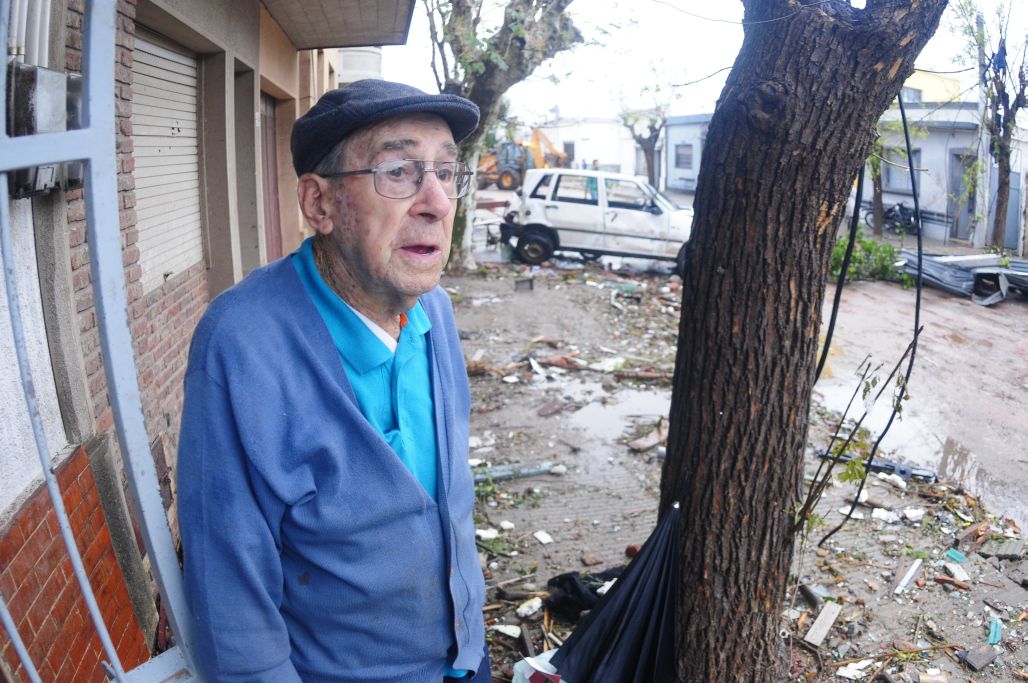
[(650, 171), (999, 222), (792, 127), (877, 206)]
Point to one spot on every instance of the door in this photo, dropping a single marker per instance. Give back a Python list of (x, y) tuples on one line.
[(574, 210), (269, 184), (960, 200), (630, 222)]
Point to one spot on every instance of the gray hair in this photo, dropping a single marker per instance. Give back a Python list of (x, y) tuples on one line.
[(333, 161)]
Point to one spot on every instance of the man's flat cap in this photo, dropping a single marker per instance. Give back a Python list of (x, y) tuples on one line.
[(341, 112)]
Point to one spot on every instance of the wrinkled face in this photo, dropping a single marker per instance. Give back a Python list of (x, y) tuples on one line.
[(394, 250)]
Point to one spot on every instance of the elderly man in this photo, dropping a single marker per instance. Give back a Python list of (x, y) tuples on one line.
[(325, 498)]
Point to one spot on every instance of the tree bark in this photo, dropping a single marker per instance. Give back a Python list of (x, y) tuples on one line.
[(792, 127)]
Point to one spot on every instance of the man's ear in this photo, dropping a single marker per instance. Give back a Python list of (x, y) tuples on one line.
[(317, 202)]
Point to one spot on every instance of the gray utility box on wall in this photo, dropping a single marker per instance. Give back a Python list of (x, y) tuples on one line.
[(42, 100)]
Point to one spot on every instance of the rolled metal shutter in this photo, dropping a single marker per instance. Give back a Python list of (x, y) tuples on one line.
[(167, 170)]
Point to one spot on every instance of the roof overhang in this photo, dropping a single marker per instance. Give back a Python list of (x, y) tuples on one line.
[(342, 23)]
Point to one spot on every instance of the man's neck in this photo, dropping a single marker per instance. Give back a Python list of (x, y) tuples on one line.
[(339, 280)]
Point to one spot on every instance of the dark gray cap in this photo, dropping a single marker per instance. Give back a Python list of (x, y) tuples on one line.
[(341, 112)]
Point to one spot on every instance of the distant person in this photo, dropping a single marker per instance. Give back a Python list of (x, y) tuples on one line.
[(325, 497), (596, 164)]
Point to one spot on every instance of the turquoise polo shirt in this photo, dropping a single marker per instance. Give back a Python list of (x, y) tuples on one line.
[(393, 388)]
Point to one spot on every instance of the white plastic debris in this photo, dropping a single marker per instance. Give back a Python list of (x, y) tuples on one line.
[(602, 590), (893, 479), (543, 537), (559, 470), (529, 607), (956, 571), (608, 365), (509, 630), (913, 514), (887, 516), (486, 534), (511, 379), (507, 526), (536, 668), (854, 671), (845, 510), (475, 462)]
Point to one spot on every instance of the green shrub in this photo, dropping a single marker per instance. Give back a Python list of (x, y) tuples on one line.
[(871, 259)]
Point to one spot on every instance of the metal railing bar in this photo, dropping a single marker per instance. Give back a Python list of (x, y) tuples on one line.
[(19, 645), (94, 143), (28, 387), (48, 148), (108, 277)]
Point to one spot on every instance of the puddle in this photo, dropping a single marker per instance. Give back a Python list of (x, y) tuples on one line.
[(920, 438), (610, 419)]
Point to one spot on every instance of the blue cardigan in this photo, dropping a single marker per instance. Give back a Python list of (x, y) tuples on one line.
[(311, 552)]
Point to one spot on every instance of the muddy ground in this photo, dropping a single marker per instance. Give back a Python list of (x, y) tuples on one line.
[(545, 348)]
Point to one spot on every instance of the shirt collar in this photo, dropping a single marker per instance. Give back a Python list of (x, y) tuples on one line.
[(357, 344)]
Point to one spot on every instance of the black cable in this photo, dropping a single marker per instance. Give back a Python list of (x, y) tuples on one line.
[(842, 274), (913, 343)]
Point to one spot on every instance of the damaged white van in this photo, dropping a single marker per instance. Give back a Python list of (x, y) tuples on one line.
[(594, 213)]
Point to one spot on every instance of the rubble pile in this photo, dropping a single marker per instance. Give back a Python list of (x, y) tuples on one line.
[(571, 370)]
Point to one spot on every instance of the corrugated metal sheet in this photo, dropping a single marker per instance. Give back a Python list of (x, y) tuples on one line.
[(164, 131)]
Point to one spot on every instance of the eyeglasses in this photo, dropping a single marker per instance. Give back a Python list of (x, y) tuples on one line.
[(402, 178)]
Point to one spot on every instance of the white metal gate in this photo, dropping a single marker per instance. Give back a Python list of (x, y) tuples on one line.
[(94, 144)]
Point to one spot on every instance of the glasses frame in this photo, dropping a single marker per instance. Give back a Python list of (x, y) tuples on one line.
[(467, 172)]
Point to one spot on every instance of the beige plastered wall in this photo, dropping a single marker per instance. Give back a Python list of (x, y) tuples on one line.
[(296, 79), (225, 35)]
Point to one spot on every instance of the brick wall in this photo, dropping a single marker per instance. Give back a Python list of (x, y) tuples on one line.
[(41, 591), (162, 321)]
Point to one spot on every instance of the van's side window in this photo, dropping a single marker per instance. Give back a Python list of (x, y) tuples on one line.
[(542, 188), (575, 189), (622, 194)]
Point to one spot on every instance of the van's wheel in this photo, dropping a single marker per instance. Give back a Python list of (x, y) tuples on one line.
[(534, 248), (508, 180), (680, 262)]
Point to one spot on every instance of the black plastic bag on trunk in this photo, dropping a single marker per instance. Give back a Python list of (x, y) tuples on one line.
[(629, 636)]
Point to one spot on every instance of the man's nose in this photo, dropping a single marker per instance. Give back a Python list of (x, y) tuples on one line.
[(432, 199)]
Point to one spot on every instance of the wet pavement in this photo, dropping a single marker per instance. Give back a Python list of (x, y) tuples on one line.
[(965, 417)]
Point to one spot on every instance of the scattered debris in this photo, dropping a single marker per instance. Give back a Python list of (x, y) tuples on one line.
[(1011, 549), (543, 537), (509, 630), (819, 629), (486, 534), (855, 670), (513, 471), (654, 438), (883, 515), (981, 657), (529, 607), (908, 576)]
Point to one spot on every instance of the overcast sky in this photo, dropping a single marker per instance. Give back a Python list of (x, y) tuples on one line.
[(632, 44)]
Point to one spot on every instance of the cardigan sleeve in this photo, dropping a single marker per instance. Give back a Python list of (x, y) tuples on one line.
[(229, 526)]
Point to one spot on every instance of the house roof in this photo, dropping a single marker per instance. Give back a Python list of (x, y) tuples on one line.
[(689, 118), (342, 23)]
